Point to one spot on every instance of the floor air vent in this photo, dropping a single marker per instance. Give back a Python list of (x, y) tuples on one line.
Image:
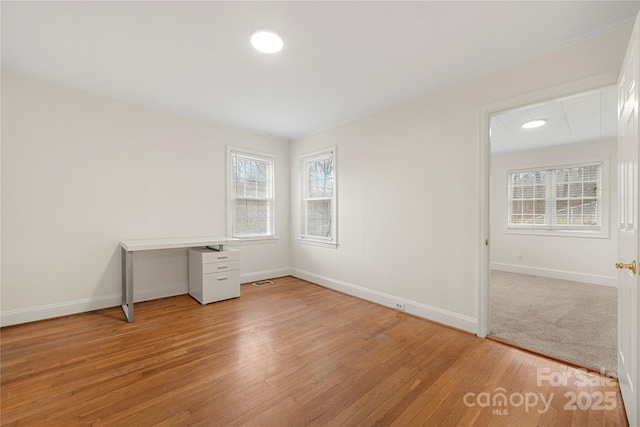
[(262, 283)]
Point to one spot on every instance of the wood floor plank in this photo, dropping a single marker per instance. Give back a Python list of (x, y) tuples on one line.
[(291, 353)]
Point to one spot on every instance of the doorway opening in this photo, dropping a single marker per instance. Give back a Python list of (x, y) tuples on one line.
[(553, 192)]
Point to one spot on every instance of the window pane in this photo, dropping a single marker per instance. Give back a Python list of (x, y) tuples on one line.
[(240, 225), (590, 189), (320, 178), (527, 192), (539, 209), (252, 192), (318, 218), (562, 176), (575, 212), (527, 219), (573, 195), (562, 190), (318, 194), (562, 207), (251, 217), (527, 207), (575, 174), (575, 190), (590, 212), (251, 177), (528, 178), (517, 192), (517, 207), (591, 173)]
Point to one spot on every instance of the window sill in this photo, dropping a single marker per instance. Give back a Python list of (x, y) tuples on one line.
[(584, 234), (255, 241), (320, 243)]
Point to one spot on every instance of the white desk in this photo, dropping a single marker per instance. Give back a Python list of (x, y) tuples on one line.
[(128, 247)]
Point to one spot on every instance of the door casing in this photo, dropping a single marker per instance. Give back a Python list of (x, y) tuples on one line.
[(484, 204)]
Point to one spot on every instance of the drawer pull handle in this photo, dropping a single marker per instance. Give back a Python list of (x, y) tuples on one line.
[(223, 257), (223, 267), (222, 278)]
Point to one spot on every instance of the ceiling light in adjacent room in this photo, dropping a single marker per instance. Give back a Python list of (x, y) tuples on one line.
[(533, 124), (267, 41)]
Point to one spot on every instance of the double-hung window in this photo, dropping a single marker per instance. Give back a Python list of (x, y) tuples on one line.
[(319, 197), (251, 189), (562, 198)]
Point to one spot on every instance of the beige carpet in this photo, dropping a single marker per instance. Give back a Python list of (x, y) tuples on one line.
[(570, 320)]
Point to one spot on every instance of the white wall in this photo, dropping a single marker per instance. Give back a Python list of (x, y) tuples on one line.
[(408, 220), (80, 172), (572, 258)]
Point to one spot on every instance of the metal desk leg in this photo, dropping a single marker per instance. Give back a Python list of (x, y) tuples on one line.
[(127, 284)]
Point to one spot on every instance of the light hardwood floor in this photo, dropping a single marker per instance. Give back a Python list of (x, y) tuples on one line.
[(292, 353)]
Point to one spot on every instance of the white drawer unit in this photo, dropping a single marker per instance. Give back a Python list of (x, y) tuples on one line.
[(214, 275)]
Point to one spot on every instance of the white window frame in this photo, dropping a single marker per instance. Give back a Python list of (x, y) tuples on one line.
[(332, 242), (231, 197), (601, 231)]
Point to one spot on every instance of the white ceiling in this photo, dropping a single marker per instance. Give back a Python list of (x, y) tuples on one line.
[(341, 61), (583, 118)]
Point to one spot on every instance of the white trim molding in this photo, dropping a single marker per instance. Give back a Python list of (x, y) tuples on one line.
[(574, 276), (329, 153), (484, 170), (576, 160), (266, 274), (270, 197), (49, 311), (444, 317)]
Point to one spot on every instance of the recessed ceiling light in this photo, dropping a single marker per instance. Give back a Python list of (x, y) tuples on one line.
[(266, 41), (533, 124)]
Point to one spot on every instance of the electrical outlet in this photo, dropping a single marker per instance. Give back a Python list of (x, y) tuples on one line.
[(519, 257), (399, 306)]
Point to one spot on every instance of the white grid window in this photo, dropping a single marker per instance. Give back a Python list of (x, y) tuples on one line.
[(252, 195), (560, 198), (319, 197)]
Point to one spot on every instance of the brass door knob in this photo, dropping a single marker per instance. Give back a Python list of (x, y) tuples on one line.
[(631, 266)]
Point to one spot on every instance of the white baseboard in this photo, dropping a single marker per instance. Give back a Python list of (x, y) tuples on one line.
[(594, 279), (432, 313), (49, 311), (263, 275)]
